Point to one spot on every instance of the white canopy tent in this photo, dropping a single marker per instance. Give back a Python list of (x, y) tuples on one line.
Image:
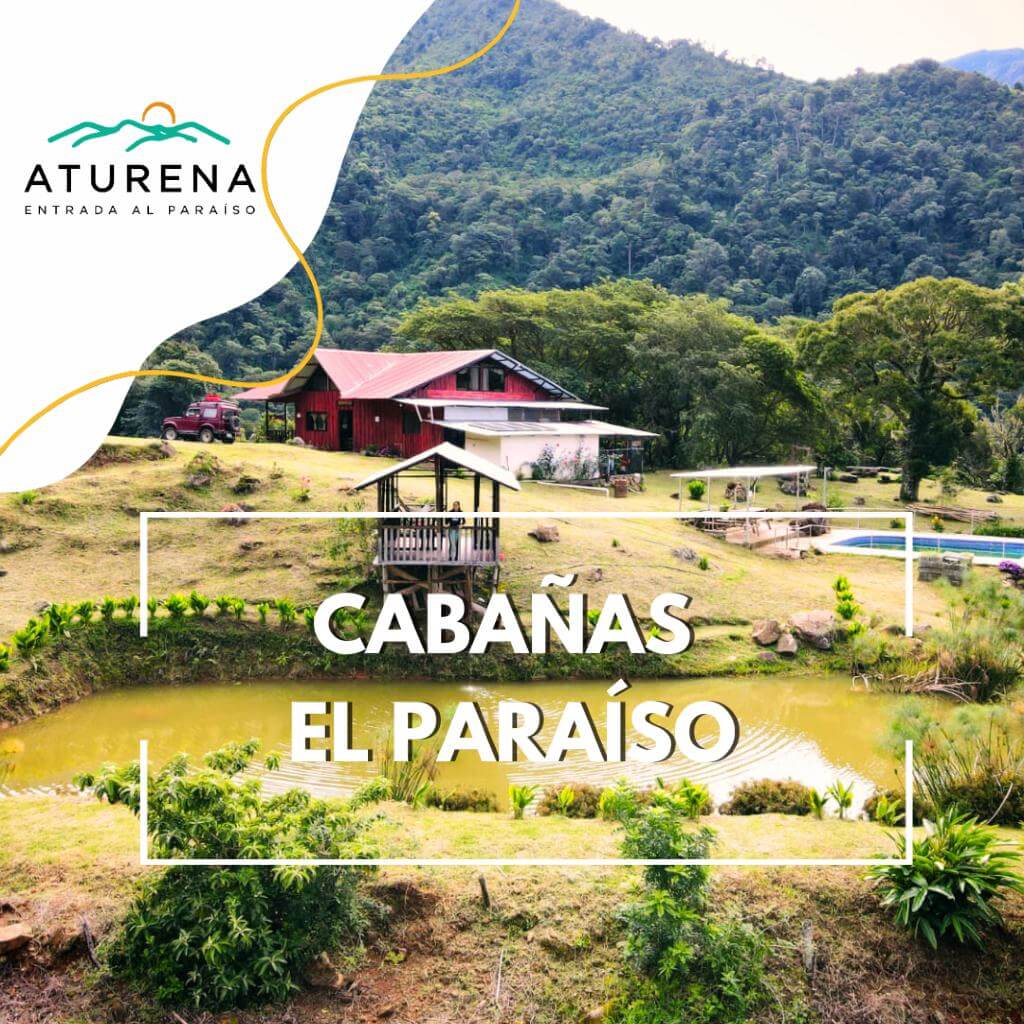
[(748, 474)]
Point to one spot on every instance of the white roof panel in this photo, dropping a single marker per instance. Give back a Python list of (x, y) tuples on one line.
[(731, 472), (520, 428), (461, 457)]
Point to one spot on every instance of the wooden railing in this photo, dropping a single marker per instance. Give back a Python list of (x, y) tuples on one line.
[(418, 540)]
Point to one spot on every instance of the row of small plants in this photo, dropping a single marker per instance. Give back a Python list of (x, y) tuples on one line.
[(414, 785), (58, 619)]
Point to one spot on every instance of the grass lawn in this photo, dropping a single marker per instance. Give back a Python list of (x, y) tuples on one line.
[(79, 539), (550, 933)]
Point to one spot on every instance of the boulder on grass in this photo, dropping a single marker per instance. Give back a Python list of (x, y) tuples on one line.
[(816, 628), (787, 644), (993, 499), (546, 533), (766, 632)]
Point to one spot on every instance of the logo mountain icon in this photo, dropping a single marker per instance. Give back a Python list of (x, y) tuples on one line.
[(187, 130)]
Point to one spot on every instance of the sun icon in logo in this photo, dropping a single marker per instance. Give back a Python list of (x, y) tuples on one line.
[(160, 105)]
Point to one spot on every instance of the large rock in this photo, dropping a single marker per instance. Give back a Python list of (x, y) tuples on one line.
[(787, 644), (546, 533), (766, 632), (816, 628), (14, 936)]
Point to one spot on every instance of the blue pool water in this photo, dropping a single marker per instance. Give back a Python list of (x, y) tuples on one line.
[(986, 547)]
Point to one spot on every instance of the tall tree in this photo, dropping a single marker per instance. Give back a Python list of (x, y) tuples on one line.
[(921, 351)]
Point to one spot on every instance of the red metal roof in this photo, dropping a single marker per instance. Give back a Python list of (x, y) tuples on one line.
[(382, 374)]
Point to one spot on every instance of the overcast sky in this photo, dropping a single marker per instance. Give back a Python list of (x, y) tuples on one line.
[(823, 38)]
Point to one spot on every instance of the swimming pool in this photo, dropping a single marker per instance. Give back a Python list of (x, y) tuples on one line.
[(986, 549)]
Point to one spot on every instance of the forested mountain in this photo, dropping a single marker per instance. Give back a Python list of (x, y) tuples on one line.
[(1006, 66), (575, 152)]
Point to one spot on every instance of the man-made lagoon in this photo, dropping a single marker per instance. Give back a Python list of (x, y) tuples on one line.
[(812, 729)]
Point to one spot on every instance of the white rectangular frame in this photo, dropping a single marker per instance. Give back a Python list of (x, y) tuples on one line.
[(604, 862)]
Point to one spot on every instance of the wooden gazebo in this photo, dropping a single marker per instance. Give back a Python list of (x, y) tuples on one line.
[(414, 550)]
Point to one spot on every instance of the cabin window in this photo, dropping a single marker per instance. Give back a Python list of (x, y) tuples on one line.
[(193, 410), (480, 378), (410, 422), (316, 421), (209, 414)]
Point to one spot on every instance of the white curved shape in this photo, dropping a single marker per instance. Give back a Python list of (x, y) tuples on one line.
[(89, 295)]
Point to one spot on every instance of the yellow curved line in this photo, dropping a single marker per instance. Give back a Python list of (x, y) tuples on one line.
[(393, 76), (166, 106)]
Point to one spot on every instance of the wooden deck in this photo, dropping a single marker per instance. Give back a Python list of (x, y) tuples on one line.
[(425, 542)]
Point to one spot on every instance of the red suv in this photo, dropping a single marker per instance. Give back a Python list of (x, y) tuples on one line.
[(212, 417)]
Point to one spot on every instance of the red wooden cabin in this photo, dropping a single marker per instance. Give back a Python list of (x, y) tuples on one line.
[(407, 403)]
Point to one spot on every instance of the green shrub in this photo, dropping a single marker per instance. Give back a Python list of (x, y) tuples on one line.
[(621, 801), (198, 603), (217, 938), (262, 610), (152, 606), (519, 798), (5, 658), (309, 617), (697, 489), (458, 799), (224, 604), (683, 964), (582, 804), (958, 871), (999, 530), (108, 606), (768, 796), (129, 605), (238, 608), (26, 497)]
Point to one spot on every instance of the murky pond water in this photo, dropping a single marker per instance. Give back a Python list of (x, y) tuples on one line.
[(812, 729)]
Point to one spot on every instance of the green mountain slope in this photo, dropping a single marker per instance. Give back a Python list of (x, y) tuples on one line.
[(575, 152), (1006, 66)]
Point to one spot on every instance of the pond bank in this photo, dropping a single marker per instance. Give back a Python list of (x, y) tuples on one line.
[(554, 931), (103, 655)]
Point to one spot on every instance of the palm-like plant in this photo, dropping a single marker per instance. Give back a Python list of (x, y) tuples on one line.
[(59, 618), (887, 812), (843, 796), (177, 605), (128, 605), (238, 608), (262, 610), (107, 608), (817, 801), (957, 872), (224, 604), (29, 638), (5, 657), (520, 797), (152, 606), (286, 611), (85, 610), (566, 798), (198, 603)]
